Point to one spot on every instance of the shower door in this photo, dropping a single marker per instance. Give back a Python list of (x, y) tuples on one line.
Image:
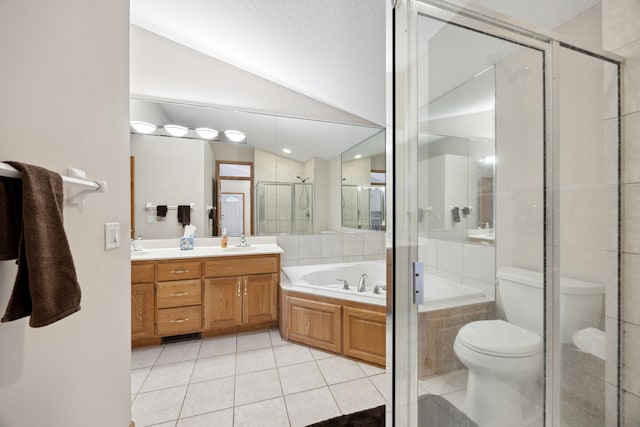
[(506, 159)]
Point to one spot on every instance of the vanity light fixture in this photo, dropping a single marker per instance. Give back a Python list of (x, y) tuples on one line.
[(176, 130), (207, 133), (286, 150), (143, 127), (357, 156), (235, 135)]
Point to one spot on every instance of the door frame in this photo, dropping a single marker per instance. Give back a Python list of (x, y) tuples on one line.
[(234, 178)]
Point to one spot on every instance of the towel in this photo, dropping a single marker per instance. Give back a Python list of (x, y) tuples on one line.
[(455, 214), (184, 214), (161, 210), (46, 285)]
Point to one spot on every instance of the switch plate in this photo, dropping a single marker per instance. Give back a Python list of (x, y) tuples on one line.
[(111, 235), (151, 219)]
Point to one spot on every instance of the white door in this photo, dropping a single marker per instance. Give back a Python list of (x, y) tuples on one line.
[(232, 213)]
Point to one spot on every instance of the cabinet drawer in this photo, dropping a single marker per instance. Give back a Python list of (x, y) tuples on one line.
[(182, 320), (142, 273), (225, 266), (179, 270), (178, 293)]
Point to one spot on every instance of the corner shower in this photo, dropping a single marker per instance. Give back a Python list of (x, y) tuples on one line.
[(284, 207)]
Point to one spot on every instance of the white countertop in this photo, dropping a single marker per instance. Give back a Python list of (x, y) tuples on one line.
[(204, 251)]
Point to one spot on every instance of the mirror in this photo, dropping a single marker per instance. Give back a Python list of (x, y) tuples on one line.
[(363, 184), (458, 146), (294, 192)]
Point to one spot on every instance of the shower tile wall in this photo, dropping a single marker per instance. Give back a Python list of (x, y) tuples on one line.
[(467, 263), (331, 248), (621, 34)]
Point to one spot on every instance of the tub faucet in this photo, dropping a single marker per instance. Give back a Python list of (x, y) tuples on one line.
[(378, 288), (361, 283), (345, 284), (243, 242)]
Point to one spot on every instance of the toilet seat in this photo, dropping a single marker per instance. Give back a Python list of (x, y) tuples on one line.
[(499, 338)]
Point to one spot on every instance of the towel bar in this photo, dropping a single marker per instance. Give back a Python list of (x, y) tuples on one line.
[(150, 206), (79, 185)]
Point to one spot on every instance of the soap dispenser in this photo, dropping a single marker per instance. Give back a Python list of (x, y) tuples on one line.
[(224, 241)]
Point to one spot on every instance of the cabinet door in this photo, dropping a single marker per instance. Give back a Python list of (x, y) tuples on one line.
[(222, 302), (315, 323), (364, 334), (142, 310), (260, 293)]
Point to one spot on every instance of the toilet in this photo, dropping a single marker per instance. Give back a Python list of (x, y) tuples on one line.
[(506, 357)]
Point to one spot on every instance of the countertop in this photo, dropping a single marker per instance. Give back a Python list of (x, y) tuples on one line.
[(204, 252)]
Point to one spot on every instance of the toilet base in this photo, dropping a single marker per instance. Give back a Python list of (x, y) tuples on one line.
[(492, 402)]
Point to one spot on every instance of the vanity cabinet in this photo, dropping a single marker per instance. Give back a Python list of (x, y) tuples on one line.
[(211, 296), (315, 323), (241, 293), (364, 333)]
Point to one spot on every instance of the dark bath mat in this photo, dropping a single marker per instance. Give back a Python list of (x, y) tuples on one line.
[(436, 411), (373, 417)]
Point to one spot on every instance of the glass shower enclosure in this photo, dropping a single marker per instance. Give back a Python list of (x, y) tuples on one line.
[(506, 228), (284, 208)]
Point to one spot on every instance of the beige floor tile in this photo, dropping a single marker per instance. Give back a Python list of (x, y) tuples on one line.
[(311, 406), (319, 354), (213, 368), (380, 382), (217, 346), (222, 418), (137, 379), (257, 360), (145, 357), (165, 376), (353, 396), (268, 413), (257, 386), (157, 407), (253, 341), (179, 352), (208, 396), (370, 370), (292, 354), (276, 338), (338, 369), (443, 384), (301, 377)]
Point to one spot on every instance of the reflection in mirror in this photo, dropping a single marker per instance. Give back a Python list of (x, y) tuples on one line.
[(457, 151), (363, 184), (289, 168)]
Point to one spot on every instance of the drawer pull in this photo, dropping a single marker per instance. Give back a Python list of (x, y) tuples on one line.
[(245, 286), (179, 271), (179, 320), (179, 294), (238, 287)]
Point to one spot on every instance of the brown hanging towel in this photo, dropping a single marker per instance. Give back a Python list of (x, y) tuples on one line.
[(46, 285), (184, 214), (161, 211)]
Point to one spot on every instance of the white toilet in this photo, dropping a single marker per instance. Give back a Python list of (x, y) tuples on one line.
[(505, 357)]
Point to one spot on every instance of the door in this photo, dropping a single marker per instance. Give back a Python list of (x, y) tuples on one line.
[(223, 302), (232, 214), (260, 293), (142, 310)]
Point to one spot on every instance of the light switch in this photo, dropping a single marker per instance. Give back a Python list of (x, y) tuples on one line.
[(111, 235)]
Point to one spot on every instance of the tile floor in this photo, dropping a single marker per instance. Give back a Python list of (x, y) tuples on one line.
[(247, 380)]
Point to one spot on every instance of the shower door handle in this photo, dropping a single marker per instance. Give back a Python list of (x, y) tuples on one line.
[(417, 271)]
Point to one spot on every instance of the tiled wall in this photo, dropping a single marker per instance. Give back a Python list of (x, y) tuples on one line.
[(332, 248), (467, 263), (621, 34)]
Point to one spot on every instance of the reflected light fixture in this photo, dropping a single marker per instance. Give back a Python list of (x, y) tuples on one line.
[(143, 127), (176, 130), (207, 133), (235, 135), (358, 156), (286, 150)]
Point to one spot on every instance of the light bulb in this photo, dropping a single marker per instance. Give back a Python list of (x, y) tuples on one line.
[(143, 127), (235, 135), (176, 130), (207, 133)]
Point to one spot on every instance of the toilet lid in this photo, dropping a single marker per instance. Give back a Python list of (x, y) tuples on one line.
[(499, 338)]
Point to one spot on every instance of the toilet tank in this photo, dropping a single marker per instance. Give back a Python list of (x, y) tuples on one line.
[(521, 297)]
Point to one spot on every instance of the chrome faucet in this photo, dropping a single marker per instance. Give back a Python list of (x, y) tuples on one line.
[(243, 242), (378, 288), (134, 248), (345, 284), (361, 283)]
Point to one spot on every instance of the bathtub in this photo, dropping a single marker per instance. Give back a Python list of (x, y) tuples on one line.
[(322, 279)]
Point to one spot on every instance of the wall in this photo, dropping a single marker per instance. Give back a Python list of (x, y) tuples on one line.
[(170, 171), (334, 193), (621, 35), (64, 85)]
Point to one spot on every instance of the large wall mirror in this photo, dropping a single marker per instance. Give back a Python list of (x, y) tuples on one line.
[(457, 151), (283, 177)]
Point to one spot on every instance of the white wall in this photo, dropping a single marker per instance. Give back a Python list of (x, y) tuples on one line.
[(64, 84), (334, 194), (169, 171)]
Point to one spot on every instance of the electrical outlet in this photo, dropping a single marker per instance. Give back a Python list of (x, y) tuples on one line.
[(111, 235)]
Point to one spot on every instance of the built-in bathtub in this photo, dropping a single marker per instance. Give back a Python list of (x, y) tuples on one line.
[(448, 305)]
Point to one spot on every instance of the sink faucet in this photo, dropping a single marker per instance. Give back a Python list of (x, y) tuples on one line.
[(378, 288), (345, 284), (243, 242), (135, 248), (361, 283)]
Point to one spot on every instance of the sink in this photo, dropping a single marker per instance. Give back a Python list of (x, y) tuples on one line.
[(138, 253)]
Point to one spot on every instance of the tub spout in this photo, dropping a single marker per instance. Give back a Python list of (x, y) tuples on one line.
[(378, 288), (345, 284), (361, 283)]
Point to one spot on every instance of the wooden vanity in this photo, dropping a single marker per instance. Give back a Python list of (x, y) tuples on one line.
[(207, 295)]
